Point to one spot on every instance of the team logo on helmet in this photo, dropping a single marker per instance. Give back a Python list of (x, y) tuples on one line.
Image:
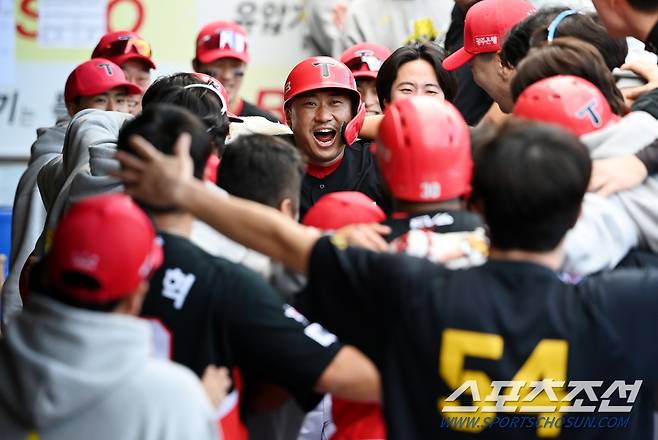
[(326, 73), (590, 111), (288, 87)]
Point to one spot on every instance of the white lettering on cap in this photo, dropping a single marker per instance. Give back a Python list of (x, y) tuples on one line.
[(489, 40)]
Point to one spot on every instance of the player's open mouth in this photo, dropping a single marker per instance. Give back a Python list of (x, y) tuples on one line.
[(325, 136)]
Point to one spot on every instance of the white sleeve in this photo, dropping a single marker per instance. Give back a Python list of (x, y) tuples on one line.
[(602, 237)]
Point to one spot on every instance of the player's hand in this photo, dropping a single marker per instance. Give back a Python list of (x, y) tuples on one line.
[(153, 177), (646, 70), (616, 174), (216, 382), (367, 236)]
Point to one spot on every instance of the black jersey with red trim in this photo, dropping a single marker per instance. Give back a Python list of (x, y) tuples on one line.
[(430, 330), (358, 171), (249, 109), (221, 313), (442, 222)]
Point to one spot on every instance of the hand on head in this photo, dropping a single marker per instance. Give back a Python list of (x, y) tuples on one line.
[(153, 177)]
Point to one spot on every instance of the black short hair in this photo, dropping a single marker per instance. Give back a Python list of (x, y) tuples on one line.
[(204, 103), (430, 52), (517, 42), (265, 169), (531, 207), (533, 32), (161, 125), (39, 282), (644, 5)]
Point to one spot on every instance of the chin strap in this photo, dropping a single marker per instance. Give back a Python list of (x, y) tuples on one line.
[(350, 131)]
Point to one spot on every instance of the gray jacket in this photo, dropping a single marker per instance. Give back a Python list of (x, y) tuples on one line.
[(609, 228), (68, 373), (28, 212), (82, 169)]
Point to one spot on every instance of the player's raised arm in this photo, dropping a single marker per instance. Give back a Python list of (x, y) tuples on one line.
[(161, 180)]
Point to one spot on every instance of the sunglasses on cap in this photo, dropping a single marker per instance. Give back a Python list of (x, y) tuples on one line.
[(126, 45), (223, 39), (373, 63)]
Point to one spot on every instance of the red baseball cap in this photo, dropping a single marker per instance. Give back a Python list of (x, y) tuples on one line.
[(365, 59), (487, 24), (97, 76), (107, 238), (216, 86), (122, 46), (222, 39), (344, 208)]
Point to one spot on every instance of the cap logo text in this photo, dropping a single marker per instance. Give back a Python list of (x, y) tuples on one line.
[(489, 40)]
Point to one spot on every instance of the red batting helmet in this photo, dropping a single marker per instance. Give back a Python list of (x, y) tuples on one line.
[(571, 102), (318, 73), (365, 59), (424, 150)]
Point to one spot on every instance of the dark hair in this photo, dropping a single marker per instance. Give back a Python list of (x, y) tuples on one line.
[(265, 169), (568, 56), (204, 103), (644, 5), (532, 207), (429, 52), (38, 282), (517, 42), (533, 32)]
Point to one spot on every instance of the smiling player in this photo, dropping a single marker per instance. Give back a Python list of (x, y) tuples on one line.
[(325, 112)]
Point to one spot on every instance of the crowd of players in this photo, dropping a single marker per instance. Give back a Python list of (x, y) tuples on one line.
[(373, 267)]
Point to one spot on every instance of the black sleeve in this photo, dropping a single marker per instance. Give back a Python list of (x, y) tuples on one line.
[(361, 295), (630, 301), (649, 157), (273, 342), (648, 103)]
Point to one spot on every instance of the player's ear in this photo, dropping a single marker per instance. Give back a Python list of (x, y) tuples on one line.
[(289, 208), (288, 112)]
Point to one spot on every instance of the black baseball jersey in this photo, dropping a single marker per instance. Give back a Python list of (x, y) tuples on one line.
[(357, 172), (431, 330), (217, 312), (249, 109), (442, 222)]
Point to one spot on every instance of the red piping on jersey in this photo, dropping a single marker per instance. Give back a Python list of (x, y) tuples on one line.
[(320, 172), (239, 107)]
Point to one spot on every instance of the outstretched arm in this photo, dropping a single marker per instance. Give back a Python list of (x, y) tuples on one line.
[(161, 180)]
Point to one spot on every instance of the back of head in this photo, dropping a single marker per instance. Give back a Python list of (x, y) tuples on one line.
[(103, 249), (204, 102), (562, 22), (430, 52), (532, 206), (588, 28), (265, 169), (568, 56), (570, 102), (343, 208), (162, 125), (644, 5), (424, 150)]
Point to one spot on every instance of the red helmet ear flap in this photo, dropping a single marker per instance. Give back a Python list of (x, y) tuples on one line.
[(350, 130)]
